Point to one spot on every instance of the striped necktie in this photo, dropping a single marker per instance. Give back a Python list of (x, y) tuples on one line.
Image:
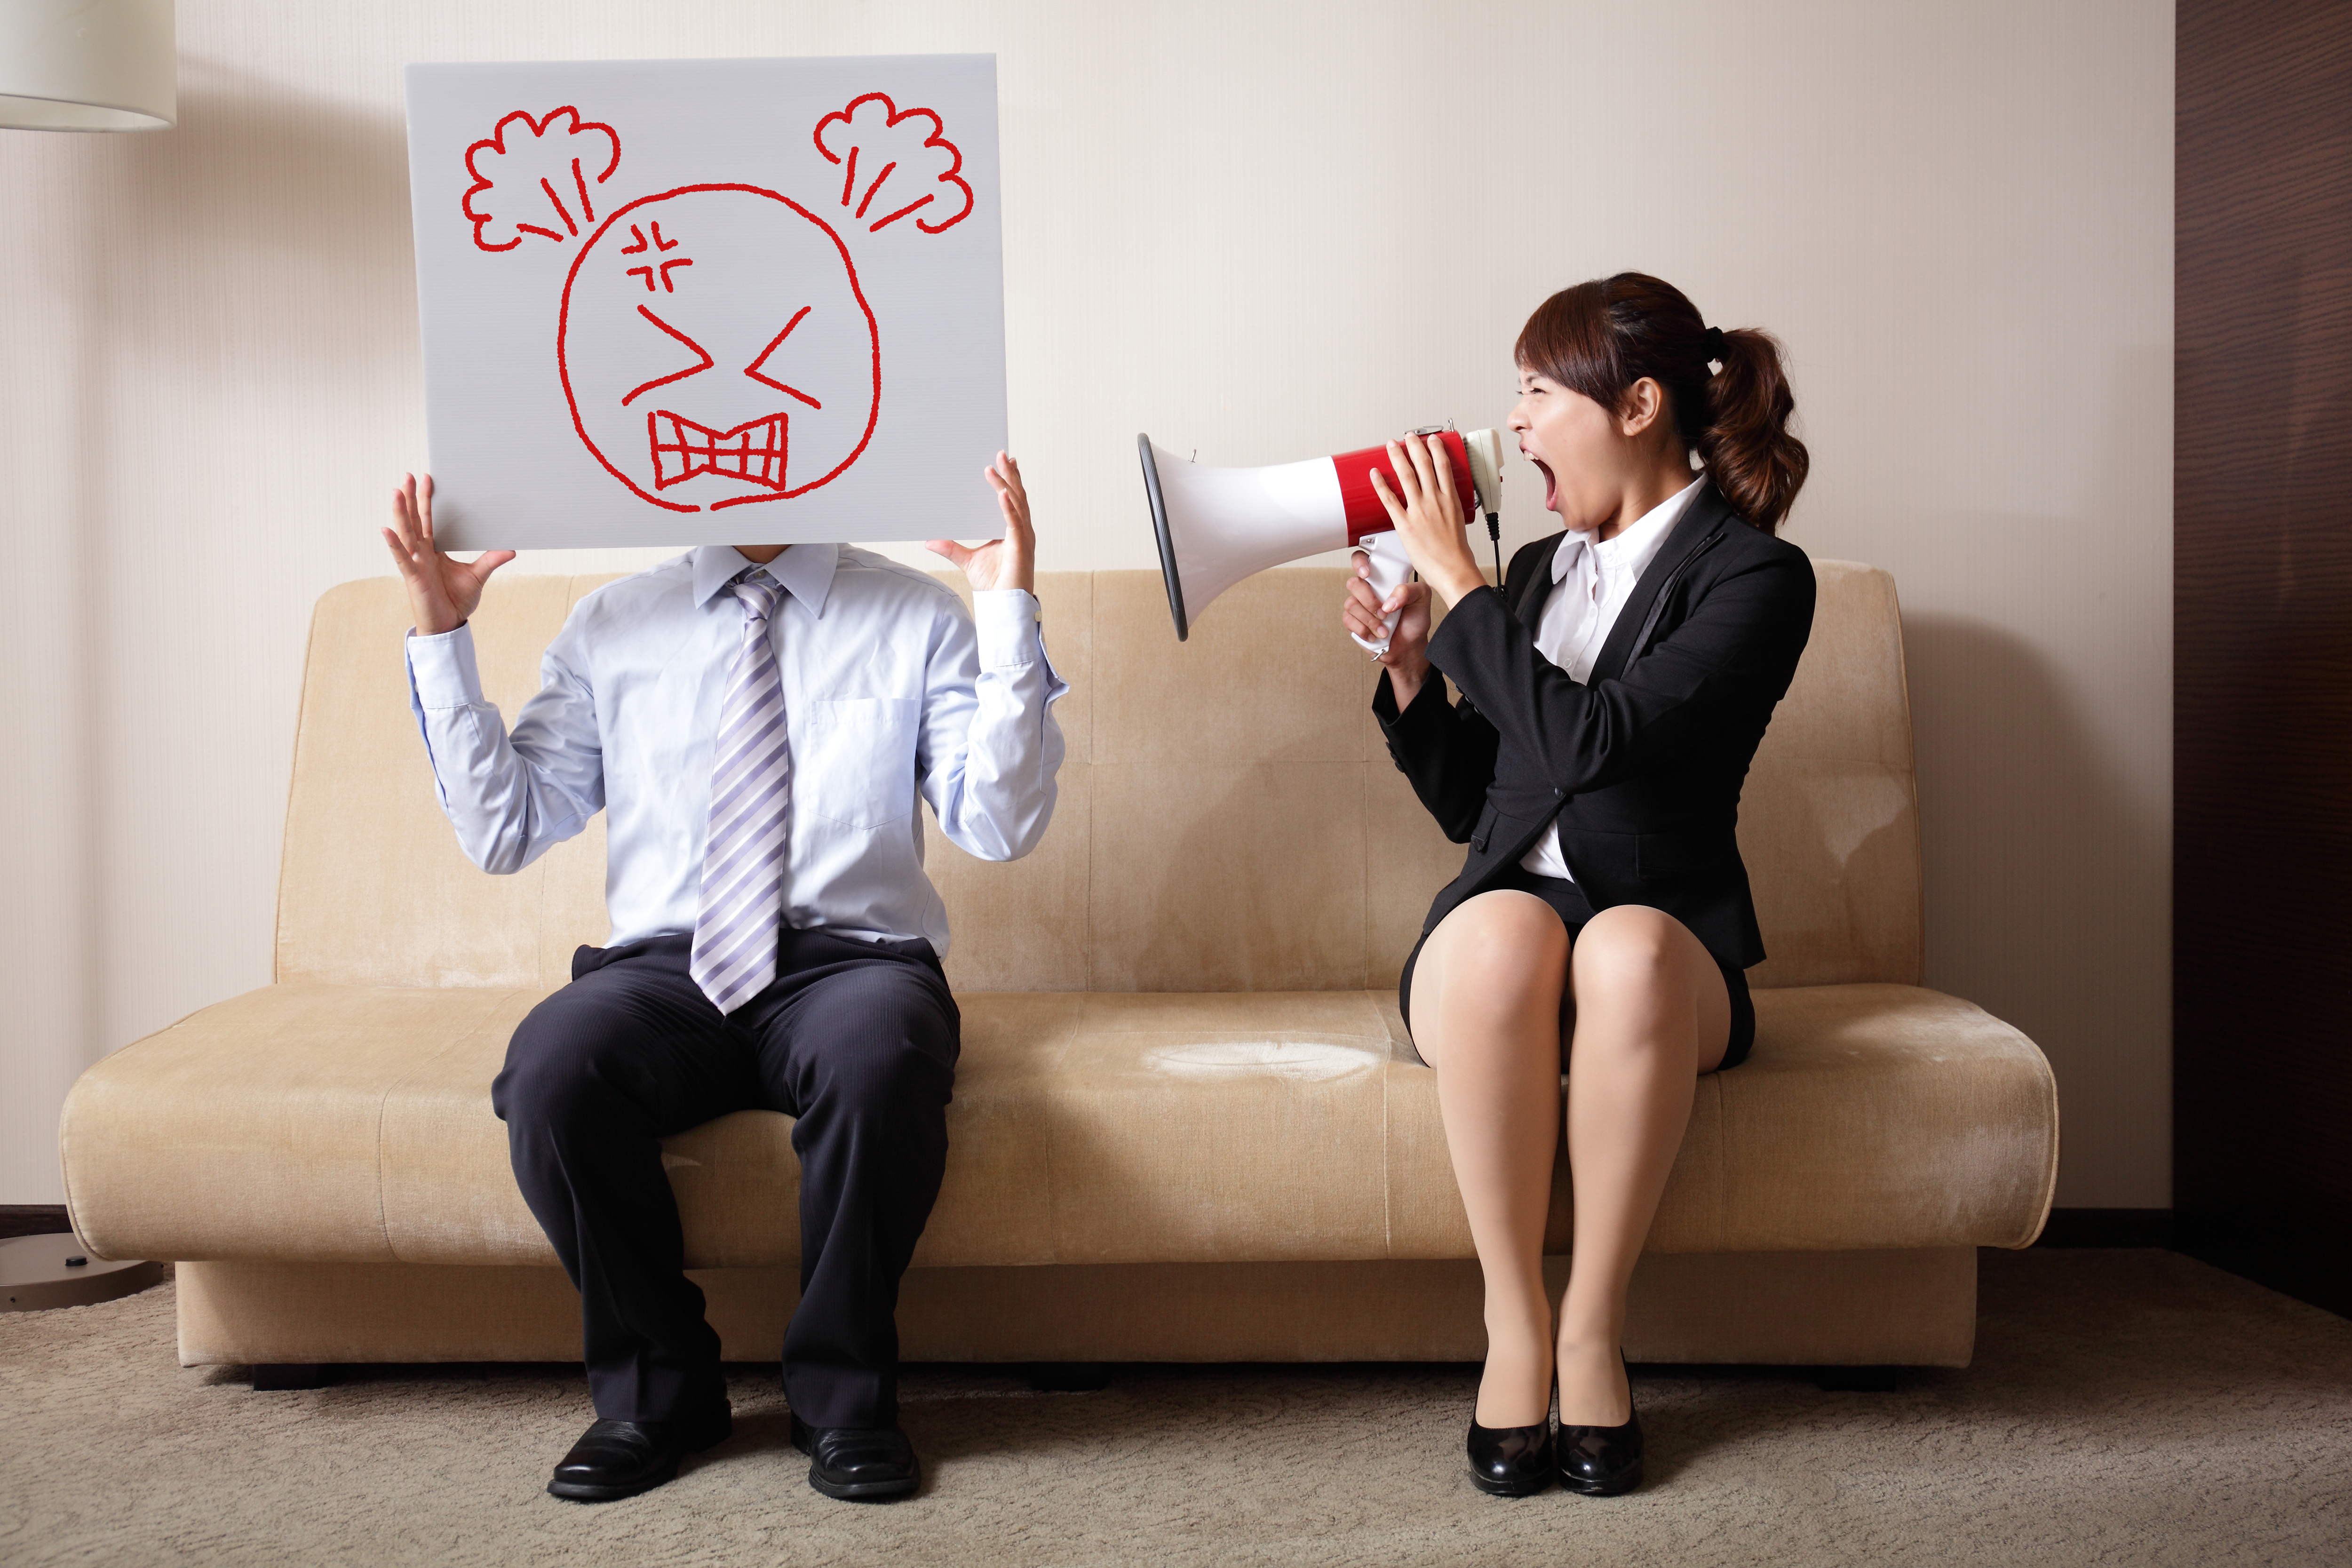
[(741, 906)]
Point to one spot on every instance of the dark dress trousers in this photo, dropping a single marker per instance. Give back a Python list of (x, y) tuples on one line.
[(857, 1039), (1642, 767)]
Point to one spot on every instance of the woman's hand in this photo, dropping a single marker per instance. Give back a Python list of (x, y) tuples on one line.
[(442, 590), (1428, 516), (1364, 613), (1007, 562)]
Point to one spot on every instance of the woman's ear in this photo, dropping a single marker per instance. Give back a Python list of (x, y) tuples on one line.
[(1645, 401)]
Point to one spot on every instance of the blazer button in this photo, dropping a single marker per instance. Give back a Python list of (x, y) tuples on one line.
[(1560, 794)]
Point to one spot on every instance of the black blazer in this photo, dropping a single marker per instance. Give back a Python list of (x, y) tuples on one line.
[(1642, 767)]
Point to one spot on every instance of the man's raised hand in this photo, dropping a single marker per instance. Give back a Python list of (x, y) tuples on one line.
[(1007, 562), (442, 590)]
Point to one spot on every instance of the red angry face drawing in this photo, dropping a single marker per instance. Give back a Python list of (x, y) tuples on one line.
[(716, 349)]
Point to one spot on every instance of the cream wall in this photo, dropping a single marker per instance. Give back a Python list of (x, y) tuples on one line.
[(1262, 230)]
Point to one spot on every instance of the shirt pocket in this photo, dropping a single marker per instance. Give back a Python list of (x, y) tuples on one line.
[(854, 760)]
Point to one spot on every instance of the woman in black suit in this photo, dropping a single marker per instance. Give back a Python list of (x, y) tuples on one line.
[(1614, 691)]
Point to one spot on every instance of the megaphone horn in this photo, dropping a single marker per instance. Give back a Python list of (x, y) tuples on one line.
[(1217, 526)]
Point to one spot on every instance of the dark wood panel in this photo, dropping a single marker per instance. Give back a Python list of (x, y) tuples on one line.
[(32, 1219), (2107, 1227), (2262, 641)]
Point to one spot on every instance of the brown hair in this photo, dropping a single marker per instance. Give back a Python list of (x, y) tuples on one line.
[(1600, 338)]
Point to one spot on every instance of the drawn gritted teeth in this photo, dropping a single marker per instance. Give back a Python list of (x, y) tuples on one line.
[(681, 450)]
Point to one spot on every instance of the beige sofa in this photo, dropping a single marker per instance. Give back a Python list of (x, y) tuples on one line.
[(1185, 1125)]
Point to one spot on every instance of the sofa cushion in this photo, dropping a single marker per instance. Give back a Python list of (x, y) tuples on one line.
[(319, 1122)]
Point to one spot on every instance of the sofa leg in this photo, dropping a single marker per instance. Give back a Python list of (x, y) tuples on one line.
[(285, 1376), (1068, 1376), (1857, 1379)]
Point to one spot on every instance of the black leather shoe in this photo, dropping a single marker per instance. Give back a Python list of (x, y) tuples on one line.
[(863, 1463), (1602, 1461), (1511, 1461), (621, 1458)]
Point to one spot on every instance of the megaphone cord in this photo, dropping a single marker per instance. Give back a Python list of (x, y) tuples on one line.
[(1494, 533)]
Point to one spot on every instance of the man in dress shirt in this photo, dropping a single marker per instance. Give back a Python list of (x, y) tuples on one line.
[(757, 723)]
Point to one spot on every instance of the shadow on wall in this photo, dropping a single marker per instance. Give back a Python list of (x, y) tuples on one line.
[(2046, 825), (2047, 877), (259, 253), (289, 208)]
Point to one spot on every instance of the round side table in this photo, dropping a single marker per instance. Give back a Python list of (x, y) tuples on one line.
[(37, 1272)]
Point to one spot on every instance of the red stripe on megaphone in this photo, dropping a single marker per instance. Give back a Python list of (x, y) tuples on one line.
[(1365, 513)]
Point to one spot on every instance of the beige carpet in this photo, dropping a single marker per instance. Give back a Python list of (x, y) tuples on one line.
[(2126, 1407)]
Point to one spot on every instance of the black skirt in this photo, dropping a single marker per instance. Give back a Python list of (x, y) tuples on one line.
[(1568, 901)]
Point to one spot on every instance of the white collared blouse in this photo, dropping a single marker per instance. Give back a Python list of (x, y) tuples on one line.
[(1591, 580)]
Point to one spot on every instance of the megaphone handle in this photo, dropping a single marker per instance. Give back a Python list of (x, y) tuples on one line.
[(1386, 568)]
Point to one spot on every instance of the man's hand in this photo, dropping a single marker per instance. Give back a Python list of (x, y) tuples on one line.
[(442, 591), (1007, 562)]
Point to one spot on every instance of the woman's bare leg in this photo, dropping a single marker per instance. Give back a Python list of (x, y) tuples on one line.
[(1486, 1014), (1651, 1014)]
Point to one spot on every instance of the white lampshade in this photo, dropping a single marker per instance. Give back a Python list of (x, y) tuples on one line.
[(87, 65)]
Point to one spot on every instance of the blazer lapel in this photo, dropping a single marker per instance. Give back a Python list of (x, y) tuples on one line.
[(1706, 514), (1526, 600)]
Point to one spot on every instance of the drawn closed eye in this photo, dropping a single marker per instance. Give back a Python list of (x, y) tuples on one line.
[(752, 370), (676, 375)]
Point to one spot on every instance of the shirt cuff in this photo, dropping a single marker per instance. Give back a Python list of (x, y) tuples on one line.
[(441, 670), (1006, 620)]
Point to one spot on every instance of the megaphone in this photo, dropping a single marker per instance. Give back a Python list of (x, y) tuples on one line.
[(1217, 526)]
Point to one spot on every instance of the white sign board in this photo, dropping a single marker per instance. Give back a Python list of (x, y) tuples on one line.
[(709, 301)]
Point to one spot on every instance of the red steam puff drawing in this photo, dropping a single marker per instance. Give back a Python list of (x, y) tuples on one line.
[(888, 174), (693, 400), (542, 182)]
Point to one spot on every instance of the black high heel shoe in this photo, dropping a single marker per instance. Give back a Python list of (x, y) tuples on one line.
[(1510, 1461), (1602, 1461)]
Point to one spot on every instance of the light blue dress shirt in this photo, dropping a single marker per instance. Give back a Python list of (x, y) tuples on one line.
[(892, 691)]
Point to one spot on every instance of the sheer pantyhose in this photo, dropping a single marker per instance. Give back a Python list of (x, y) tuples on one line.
[(1501, 1007)]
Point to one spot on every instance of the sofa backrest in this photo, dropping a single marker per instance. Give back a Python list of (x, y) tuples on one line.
[(1228, 817)]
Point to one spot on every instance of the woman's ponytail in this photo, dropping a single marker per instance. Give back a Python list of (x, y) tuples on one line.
[(1600, 338), (1745, 442)]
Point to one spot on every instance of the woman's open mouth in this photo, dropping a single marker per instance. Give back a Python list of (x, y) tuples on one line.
[(1551, 490)]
